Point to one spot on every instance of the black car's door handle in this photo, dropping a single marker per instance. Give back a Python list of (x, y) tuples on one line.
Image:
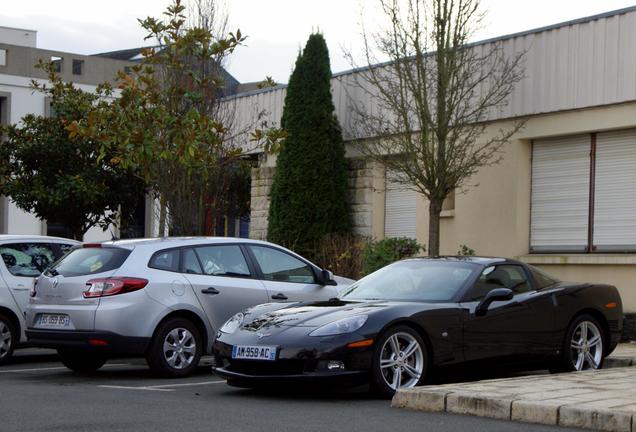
[(210, 290), (279, 296)]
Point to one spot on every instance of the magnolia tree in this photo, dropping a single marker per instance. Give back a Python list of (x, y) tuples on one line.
[(168, 123), (431, 101), (60, 179)]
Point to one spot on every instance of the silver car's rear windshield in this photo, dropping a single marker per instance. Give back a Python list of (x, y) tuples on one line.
[(415, 280), (87, 261)]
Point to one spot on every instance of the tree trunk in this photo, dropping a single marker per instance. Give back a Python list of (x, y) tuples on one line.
[(78, 233), (434, 210), (162, 216)]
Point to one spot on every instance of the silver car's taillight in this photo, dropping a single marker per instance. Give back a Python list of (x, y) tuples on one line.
[(104, 287)]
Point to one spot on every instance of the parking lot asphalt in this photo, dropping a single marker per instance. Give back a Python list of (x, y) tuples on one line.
[(38, 394)]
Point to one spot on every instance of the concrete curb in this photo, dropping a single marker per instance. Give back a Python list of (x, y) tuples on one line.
[(602, 400)]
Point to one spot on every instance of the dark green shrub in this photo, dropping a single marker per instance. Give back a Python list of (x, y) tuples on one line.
[(384, 252), (309, 190)]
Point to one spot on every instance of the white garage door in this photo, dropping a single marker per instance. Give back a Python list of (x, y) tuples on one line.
[(399, 211)]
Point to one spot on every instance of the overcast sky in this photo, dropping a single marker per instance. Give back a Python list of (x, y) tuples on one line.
[(276, 29)]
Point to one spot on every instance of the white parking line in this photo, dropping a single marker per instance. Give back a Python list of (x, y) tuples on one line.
[(135, 388), (57, 368), (161, 387), (189, 384)]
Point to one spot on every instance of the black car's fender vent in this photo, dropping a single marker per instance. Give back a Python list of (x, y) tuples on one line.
[(256, 367)]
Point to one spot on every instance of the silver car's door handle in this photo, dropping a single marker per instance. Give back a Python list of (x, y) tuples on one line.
[(210, 290), (20, 289), (279, 296)]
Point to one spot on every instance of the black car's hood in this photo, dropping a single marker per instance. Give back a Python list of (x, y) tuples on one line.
[(313, 314)]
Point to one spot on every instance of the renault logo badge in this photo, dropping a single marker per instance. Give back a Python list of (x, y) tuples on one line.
[(54, 282)]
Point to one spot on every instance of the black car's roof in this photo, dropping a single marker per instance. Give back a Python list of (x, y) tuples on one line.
[(485, 261)]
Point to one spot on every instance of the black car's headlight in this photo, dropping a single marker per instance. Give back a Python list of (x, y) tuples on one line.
[(233, 323), (345, 325)]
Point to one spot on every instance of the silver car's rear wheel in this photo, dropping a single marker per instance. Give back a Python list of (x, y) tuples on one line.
[(179, 348), (176, 348), (8, 339)]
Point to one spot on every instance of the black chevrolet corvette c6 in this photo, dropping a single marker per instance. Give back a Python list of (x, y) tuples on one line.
[(390, 327)]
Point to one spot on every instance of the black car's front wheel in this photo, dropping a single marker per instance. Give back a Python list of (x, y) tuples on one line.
[(400, 360)]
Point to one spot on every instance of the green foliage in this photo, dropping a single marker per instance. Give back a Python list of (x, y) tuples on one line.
[(309, 190), (384, 252), (58, 178), (169, 124), (466, 251)]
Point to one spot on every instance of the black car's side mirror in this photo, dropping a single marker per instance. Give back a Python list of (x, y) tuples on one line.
[(498, 294), (326, 278)]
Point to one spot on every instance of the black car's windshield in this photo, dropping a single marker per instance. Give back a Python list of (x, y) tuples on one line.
[(413, 280)]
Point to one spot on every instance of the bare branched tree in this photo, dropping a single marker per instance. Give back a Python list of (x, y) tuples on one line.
[(430, 103)]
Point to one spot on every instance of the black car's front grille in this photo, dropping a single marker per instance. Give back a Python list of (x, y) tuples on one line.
[(260, 367)]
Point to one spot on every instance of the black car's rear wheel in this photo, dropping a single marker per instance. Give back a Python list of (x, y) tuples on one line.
[(81, 361), (583, 346), (400, 360)]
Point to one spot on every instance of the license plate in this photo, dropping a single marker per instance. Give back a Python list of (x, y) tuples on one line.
[(53, 320), (249, 352)]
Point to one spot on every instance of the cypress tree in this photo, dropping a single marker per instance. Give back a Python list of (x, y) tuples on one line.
[(309, 189)]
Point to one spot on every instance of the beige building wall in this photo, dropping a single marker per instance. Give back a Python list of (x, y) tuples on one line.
[(492, 216)]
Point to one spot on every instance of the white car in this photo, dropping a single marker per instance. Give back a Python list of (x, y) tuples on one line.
[(164, 299), (24, 257)]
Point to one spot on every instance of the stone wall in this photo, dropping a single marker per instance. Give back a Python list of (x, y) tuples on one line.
[(259, 204), (359, 178)]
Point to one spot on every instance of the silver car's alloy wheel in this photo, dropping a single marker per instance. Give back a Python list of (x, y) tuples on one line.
[(401, 361), (179, 348), (586, 346), (6, 339)]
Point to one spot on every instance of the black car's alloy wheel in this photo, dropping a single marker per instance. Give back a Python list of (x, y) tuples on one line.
[(583, 346), (8, 338), (175, 349), (81, 361), (400, 361)]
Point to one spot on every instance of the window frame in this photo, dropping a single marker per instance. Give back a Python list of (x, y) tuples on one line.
[(180, 257), (590, 247), (468, 298), (52, 246), (261, 276), (241, 249), (182, 250)]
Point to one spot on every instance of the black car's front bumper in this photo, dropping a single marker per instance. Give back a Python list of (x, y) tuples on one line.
[(341, 378), (100, 341), (303, 359)]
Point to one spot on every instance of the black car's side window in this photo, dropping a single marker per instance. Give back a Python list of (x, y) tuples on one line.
[(503, 276)]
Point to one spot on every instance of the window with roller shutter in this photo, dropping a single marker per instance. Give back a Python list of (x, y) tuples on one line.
[(584, 193)]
